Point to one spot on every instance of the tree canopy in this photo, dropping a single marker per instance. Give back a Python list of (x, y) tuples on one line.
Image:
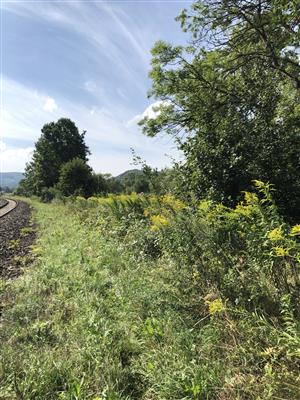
[(59, 143), (231, 98), (76, 177)]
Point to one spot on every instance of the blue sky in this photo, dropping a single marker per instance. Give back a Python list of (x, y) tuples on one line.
[(88, 61)]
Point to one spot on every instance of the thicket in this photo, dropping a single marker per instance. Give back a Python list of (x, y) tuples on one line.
[(147, 297), (238, 271), (230, 98)]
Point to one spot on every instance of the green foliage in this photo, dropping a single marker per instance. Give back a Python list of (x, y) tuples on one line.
[(100, 184), (76, 178), (136, 182), (261, 31), (59, 143), (231, 99), (145, 297), (113, 185)]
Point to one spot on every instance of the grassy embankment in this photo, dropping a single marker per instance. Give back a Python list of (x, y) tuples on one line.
[(113, 308)]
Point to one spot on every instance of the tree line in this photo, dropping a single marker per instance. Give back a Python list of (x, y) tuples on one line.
[(59, 167), (229, 98)]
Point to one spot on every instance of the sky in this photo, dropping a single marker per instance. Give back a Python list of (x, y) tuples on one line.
[(88, 61)]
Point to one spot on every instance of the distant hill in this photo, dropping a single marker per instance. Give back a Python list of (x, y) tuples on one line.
[(10, 179), (121, 178)]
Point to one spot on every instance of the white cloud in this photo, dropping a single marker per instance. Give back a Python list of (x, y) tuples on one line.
[(15, 159), (108, 136), (116, 44), (23, 115), (50, 105), (2, 146), (150, 112)]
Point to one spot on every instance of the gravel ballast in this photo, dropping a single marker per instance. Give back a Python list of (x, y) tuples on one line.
[(17, 233)]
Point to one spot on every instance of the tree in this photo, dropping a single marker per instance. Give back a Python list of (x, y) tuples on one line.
[(136, 181), (59, 143), (76, 177), (261, 31), (232, 106), (100, 184), (112, 184)]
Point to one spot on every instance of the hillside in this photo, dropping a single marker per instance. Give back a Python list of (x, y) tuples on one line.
[(10, 179), (121, 178)]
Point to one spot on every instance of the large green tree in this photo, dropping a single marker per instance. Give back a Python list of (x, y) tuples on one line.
[(231, 98), (76, 178), (59, 143)]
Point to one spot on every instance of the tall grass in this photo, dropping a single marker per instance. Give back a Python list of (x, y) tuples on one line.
[(149, 298)]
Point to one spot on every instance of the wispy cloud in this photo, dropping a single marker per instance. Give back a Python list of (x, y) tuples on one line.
[(108, 134), (113, 35), (50, 105), (14, 159), (90, 86), (99, 57)]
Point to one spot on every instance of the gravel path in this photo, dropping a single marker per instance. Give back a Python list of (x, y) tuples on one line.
[(17, 233)]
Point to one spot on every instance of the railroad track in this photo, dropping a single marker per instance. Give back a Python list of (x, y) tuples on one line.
[(11, 205)]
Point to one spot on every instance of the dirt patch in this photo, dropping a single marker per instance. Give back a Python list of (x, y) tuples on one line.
[(17, 233)]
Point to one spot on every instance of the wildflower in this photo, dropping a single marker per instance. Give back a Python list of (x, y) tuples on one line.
[(280, 251), (295, 231), (158, 222), (275, 235), (269, 351), (216, 306), (250, 198), (259, 184), (246, 211), (172, 202), (205, 205), (146, 212)]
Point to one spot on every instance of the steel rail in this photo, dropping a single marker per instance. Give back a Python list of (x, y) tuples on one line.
[(12, 204)]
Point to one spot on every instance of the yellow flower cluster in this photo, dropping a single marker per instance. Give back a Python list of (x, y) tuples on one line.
[(158, 222), (276, 235), (159, 210), (241, 209), (250, 198), (205, 206), (110, 199), (172, 202), (259, 184), (280, 251), (295, 231), (216, 306)]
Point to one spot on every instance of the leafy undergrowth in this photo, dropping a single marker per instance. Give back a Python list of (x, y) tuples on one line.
[(117, 306)]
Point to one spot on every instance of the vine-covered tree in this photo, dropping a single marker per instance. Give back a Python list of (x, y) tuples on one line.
[(231, 98), (59, 143)]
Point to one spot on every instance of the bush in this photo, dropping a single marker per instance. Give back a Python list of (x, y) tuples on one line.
[(76, 178)]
